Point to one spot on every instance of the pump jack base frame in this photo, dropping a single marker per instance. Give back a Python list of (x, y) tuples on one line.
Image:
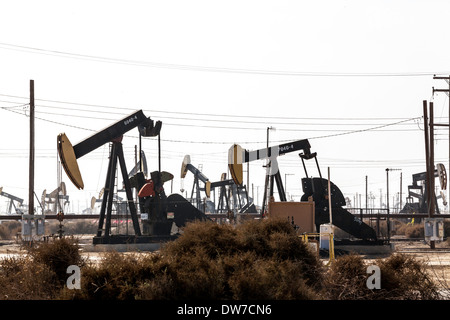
[(133, 239)]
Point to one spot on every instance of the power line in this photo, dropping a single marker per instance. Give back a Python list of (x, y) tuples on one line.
[(185, 67), (255, 116), (212, 120), (240, 128), (222, 120), (376, 128)]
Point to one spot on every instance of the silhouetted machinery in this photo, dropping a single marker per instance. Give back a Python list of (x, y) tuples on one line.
[(315, 189), (417, 202), (158, 212), (13, 200), (198, 176), (233, 198), (55, 201)]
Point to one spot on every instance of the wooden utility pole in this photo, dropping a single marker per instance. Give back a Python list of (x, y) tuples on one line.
[(429, 155), (447, 91), (31, 164), (387, 205), (431, 173), (431, 167), (401, 183)]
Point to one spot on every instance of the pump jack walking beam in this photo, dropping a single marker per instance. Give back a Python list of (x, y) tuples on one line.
[(69, 154)]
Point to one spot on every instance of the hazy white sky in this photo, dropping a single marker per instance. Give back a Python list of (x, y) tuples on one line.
[(221, 72)]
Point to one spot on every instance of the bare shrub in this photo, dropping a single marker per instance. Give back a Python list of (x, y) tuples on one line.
[(57, 255), (211, 261), (402, 278), (263, 279), (117, 277), (415, 231), (406, 278), (256, 260), (347, 279), (213, 238), (25, 279), (9, 229), (80, 227), (187, 277)]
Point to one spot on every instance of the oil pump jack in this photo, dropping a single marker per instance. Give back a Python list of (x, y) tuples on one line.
[(12, 200), (153, 202), (198, 176), (418, 190), (316, 187), (69, 154), (234, 199), (56, 200), (235, 193)]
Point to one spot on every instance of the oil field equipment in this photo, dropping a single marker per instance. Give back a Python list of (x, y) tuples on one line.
[(417, 199), (198, 176), (14, 201), (159, 212), (315, 188), (69, 154), (434, 229), (55, 201), (233, 198)]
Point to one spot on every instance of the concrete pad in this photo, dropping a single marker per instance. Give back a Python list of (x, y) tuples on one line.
[(368, 249)]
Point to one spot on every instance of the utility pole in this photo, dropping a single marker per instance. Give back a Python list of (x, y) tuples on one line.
[(401, 183), (387, 203), (429, 155), (387, 200), (447, 91), (31, 164), (431, 173), (266, 184)]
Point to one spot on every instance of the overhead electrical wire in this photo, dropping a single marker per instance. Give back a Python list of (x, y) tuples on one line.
[(222, 120), (376, 128), (338, 131), (213, 120), (337, 163), (253, 116), (380, 126), (185, 67)]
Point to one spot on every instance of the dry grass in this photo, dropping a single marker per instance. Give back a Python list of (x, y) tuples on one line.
[(402, 278), (9, 229), (41, 273), (256, 260)]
